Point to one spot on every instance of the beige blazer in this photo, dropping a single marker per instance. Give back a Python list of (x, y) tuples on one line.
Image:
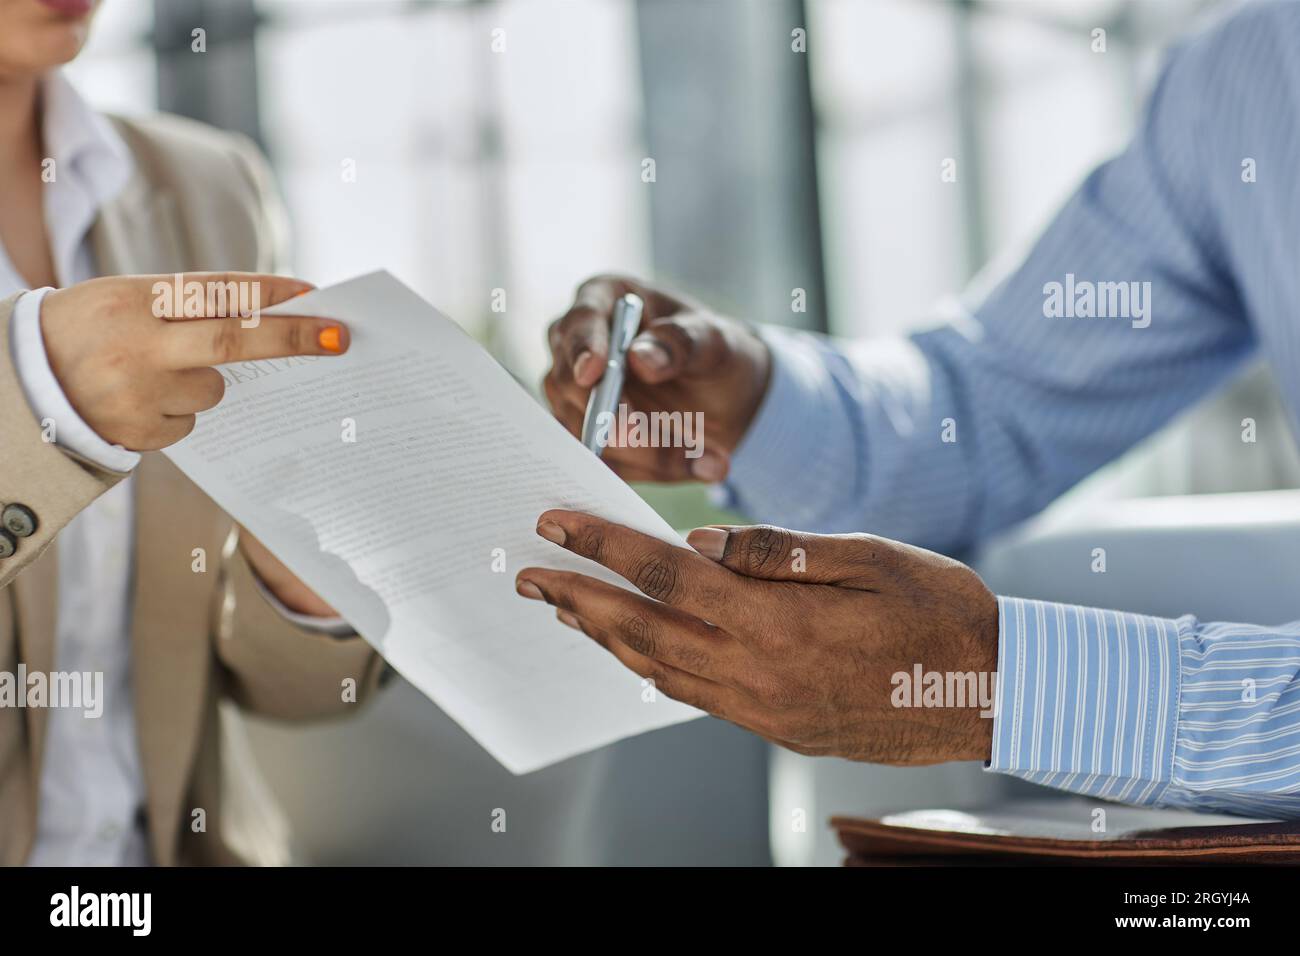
[(200, 200)]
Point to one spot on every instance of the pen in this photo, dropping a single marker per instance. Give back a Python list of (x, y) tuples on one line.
[(604, 397)]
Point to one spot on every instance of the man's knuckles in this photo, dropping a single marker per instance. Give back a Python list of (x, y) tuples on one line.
[(760, 551), (639, 633), (656, 577), (588, 540)]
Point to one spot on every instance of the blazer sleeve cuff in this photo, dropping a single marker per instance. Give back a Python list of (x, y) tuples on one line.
[(53, 484), (277, 668), (45, 395), (334, 626)]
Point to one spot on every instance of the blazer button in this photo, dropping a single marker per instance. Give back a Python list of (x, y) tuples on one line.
[(19, 520), (8, 543)]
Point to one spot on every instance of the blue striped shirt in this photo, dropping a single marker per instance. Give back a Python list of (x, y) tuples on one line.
[(1185, 252)]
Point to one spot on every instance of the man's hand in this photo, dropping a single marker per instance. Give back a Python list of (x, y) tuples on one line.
[(685, 359), (138, 379), (797, 637)]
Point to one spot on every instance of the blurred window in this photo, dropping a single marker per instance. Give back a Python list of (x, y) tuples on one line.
[(1012, 91), (404, 141), (116, 70)]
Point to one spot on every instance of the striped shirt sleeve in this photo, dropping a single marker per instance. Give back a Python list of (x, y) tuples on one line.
[(1148, 710), (947, 436)]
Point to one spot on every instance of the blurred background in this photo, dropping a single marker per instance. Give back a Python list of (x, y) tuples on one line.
[(797, 147)]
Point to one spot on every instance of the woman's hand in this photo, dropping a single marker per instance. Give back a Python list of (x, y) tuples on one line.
[(137, 369)]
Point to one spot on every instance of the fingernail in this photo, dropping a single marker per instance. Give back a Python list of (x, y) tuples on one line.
[(708, 468), (566, 618), (710, 542), (330, 339), (651, 354), (529, 590), (551, 532), (584, 360)]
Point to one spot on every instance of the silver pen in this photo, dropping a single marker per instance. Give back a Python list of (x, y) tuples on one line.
[(605, 396)]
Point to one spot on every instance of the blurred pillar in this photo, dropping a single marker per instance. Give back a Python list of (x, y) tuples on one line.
[(729, 123), (217, 84), (735, 222), (969, 95)]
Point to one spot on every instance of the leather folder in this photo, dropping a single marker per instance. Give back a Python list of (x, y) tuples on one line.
[(1065, 831)]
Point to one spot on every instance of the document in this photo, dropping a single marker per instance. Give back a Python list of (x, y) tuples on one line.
[(402, 482)]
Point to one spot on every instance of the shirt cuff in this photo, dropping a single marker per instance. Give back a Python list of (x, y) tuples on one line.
[(333, 626), (1087, 700), (45, 395), (780, 469)]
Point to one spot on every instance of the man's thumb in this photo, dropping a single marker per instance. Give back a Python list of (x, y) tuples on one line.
[(687, 343), (776, 554)]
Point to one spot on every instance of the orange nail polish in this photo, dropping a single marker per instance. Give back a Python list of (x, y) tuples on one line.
[(330, 339)]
